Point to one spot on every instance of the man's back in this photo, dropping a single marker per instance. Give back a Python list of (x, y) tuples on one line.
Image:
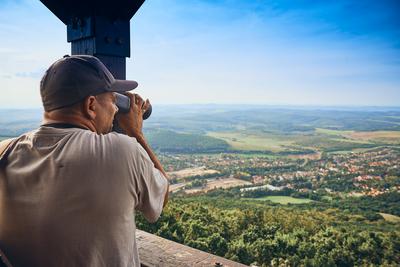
[(68, 197)]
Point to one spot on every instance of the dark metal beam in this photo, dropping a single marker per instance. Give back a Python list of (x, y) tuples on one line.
[(113, 9), (98, 28)]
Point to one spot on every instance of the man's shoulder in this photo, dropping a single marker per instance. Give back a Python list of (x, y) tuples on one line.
[(80, 139), (120, 139), (83, 138), (121, 142)]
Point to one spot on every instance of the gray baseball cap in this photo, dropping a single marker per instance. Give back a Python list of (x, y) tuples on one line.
[(72, 78)]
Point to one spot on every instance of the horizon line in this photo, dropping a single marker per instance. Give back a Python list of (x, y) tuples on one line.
[(244, 104)]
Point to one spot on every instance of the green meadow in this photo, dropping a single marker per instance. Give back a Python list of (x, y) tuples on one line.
[(253, 141), (319, 140)]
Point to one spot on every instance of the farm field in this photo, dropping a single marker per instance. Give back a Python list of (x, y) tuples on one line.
[(191, 172), (325, 142), (332, 132), (318, 141), (284, 200), (360, 150), (255, 142), (390, 217), (176, 187), (392, 137), (379, 136), (314, 156), (218, 183)]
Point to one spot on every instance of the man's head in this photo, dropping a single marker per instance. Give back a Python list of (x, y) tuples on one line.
[(82, 87)]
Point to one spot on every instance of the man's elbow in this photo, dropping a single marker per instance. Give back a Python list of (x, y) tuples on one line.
[(152, 218), (166, 197)]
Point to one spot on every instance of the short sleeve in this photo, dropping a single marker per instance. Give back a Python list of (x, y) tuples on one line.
[(150, 185)]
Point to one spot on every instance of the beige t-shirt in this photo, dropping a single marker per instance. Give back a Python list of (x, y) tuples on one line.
[(68, 198)]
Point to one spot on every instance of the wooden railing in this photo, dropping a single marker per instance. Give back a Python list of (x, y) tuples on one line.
[(157, 251)]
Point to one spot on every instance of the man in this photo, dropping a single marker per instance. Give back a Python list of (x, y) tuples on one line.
[(68, 190)]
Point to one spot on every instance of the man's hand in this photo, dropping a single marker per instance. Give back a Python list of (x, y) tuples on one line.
[(132, 122)]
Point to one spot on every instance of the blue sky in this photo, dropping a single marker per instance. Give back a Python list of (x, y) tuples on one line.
[(224, 51)]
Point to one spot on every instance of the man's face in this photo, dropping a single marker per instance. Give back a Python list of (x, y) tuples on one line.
[(105, 112)]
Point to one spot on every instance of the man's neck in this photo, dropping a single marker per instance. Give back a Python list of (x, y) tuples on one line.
[(73, 119)]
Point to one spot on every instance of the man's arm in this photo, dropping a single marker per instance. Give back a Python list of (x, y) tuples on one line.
[(141, 140), (132, 124), (4, 145)]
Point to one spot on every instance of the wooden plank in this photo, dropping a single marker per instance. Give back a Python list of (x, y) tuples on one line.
[(157, 251)]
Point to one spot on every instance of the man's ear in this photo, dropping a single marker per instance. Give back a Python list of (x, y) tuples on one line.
[(89, 107)]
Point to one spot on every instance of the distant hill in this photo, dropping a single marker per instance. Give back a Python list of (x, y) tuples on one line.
[(14, 122), (200, 119), (273, 119), (222, 128)]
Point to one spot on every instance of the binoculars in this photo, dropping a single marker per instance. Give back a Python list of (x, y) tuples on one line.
[(124, 103)]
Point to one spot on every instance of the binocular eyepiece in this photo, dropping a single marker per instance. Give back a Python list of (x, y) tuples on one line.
[(124, 104)]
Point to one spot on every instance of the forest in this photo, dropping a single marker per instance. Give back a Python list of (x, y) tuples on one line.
[(173, 142), (266, 235)]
